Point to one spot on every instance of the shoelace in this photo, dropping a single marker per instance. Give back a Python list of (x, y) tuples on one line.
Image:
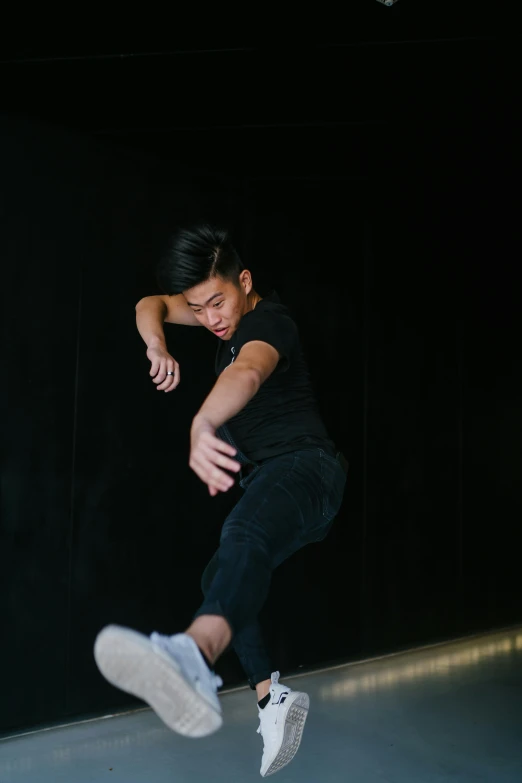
[(166, 644)]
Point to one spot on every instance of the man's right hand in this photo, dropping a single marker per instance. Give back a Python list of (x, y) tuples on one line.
[(162, 363)]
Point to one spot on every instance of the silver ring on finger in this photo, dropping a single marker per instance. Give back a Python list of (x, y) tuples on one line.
[(170, 373)]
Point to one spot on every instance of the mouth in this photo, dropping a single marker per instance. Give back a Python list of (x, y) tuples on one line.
[(220, 332)]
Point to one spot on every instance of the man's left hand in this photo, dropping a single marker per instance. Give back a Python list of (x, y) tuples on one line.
[(209, 455)]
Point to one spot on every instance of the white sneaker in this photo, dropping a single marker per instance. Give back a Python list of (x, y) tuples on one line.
[(281, 726), (168, 672)]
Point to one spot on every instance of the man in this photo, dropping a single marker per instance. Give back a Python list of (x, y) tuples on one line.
[(259, 420)]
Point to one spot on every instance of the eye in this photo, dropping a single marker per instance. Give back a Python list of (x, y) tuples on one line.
[(218, 304)]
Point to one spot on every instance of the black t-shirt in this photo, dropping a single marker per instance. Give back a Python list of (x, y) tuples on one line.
[(283, 415)]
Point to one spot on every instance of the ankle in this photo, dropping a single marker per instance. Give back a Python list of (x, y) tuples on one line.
[(206, 658), (262, 703), (212, 634), (263, 689), (204, 648)]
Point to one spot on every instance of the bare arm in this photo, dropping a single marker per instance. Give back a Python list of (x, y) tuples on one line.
[(209, 455), (238, 383), (153, 311), (151, 314)]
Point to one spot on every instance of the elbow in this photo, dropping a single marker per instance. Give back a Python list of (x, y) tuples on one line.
[(251, 375), (255, 379), (247, 376)]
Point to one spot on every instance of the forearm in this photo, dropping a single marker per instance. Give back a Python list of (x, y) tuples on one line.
[(150, 316), (233, 389)]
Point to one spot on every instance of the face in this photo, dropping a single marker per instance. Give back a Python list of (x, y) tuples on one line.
[(219, 305)]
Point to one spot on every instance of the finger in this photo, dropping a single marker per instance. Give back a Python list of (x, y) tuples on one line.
[(222, 461), (210, 474), (217, 457), (162, 372), (171, 381), (218, 445), (155, 364), (176, 378), (229, 464), (219, 479), (167, 383)]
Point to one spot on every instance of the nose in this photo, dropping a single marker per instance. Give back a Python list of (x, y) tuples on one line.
[(214, 319)]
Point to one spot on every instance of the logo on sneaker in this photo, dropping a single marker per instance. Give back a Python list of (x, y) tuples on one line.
[(282, 698)]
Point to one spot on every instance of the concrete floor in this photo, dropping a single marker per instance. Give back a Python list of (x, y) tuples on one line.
[(451, 712)]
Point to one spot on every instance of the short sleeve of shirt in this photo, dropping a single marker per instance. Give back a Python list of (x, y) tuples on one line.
[(276, 329)]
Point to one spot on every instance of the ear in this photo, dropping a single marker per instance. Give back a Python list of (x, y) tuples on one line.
[(245, 279)]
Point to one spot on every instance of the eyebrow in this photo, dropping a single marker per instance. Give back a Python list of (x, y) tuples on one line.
[(208, 300)]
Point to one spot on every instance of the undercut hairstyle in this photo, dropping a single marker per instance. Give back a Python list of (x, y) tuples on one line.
[(195, 255)]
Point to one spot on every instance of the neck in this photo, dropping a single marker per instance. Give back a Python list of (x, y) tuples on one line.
[(252, 299)]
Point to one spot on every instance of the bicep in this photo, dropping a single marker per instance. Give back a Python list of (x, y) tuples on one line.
[(259, 356), (178, 311)]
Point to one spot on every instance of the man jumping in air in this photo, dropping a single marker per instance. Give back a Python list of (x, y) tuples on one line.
[(260, 420)]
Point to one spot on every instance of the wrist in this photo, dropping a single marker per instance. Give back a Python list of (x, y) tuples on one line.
[(200, 421), (156, 342)]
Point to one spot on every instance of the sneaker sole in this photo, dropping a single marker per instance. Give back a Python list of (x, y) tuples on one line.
[(129, 661), (295, 719)]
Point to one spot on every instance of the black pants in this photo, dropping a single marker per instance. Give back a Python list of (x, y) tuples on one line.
[(289, 501)]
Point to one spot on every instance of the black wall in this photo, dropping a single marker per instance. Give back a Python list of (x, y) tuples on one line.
[(379, 209)]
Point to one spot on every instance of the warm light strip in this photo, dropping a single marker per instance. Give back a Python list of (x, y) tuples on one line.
[(391, 672)]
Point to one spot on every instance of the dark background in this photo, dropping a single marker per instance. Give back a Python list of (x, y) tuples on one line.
[(369, 172)]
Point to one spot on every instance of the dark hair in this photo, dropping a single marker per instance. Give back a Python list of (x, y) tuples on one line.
[(197, 254)]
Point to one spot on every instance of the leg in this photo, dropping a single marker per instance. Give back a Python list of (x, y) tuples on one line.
[(212, 635), (263, 689), (290, 502), (248, 644)]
